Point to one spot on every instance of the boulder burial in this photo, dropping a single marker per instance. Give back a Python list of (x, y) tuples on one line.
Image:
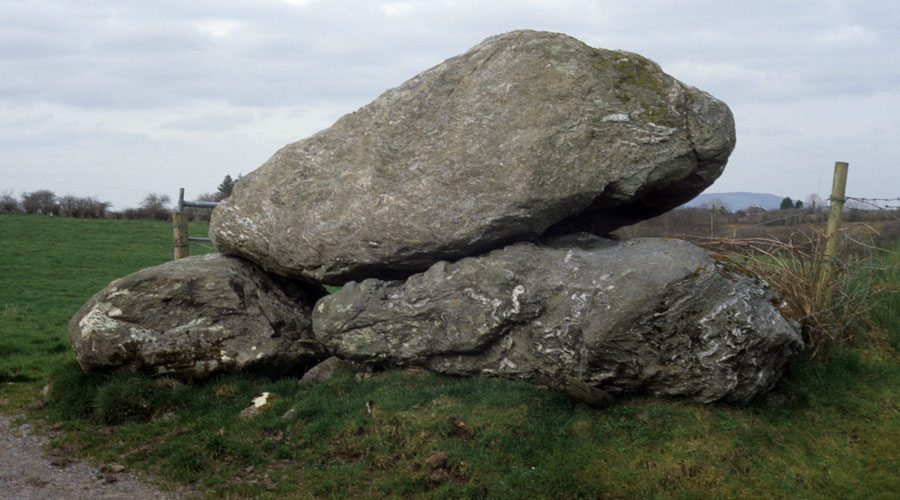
[(526, 134)]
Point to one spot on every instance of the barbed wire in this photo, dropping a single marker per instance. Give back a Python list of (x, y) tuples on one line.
[(860, 276), (779, 219), (872, 199), (871, 202), (850, 293), (843, 300), (724, 241), (868, 201)]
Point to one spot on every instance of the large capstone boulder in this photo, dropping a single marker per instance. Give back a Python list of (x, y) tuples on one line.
[(195, 316), (646, 315), (528, 133)]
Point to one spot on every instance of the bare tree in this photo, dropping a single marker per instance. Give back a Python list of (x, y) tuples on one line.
[(155, 206), (8, 202), (79, 206), (814, 202), (40, 202), (67, 205), (718, 205)]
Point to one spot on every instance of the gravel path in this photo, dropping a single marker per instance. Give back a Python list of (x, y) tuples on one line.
[(29, 471)]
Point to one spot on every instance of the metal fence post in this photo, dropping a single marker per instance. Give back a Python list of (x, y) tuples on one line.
[(181, 240)]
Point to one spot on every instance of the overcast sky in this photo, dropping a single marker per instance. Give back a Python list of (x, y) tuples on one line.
[(117, 99)]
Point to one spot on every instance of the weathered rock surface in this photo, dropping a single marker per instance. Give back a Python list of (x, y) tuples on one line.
[(650, 315), (528, 133), (195, 316), (323, 371)]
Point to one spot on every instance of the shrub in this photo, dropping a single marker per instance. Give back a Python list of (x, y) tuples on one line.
[(40, 202), (84, 207), (8, 202)]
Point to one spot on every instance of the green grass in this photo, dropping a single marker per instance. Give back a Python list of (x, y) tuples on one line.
[(830, 429), (49, 267), (885, 314)]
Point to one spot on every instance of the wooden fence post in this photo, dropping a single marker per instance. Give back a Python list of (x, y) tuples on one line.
[(180, 233), (824, 289), (180, 230)]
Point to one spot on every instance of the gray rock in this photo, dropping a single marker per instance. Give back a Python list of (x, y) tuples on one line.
[(584, 392), (195, 316), (322, 371), (647, 315), (528, 133)]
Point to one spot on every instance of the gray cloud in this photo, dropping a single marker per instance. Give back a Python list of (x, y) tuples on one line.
[(145, 96)]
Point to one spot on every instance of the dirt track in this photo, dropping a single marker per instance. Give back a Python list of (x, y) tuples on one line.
[(29, 470)]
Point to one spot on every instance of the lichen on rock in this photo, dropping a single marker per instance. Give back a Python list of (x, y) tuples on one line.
[(507, 142), (647, 315), (196, 316)]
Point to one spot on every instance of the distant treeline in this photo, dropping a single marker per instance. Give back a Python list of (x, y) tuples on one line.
[(718, 221), (153, 206), (712, 219)]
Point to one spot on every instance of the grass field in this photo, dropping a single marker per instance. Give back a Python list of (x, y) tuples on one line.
[(830, 429), (49, 266)]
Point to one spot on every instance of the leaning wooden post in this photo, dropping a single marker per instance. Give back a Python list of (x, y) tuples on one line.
[(180, 229), (832, 233)]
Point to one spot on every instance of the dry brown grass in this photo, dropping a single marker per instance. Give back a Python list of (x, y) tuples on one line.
[(793, 266)]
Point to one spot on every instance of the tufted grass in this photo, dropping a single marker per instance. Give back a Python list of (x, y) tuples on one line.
[(885, 314), (830, 429)]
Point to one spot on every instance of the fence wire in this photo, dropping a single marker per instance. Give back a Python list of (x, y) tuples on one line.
[(796, 265), (856, 277), (772, 221), (884, 207), (202, 244)]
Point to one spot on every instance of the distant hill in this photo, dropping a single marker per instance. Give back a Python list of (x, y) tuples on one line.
[(739, 201)]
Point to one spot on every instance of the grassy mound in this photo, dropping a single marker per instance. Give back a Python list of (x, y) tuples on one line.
[(829, 430)]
